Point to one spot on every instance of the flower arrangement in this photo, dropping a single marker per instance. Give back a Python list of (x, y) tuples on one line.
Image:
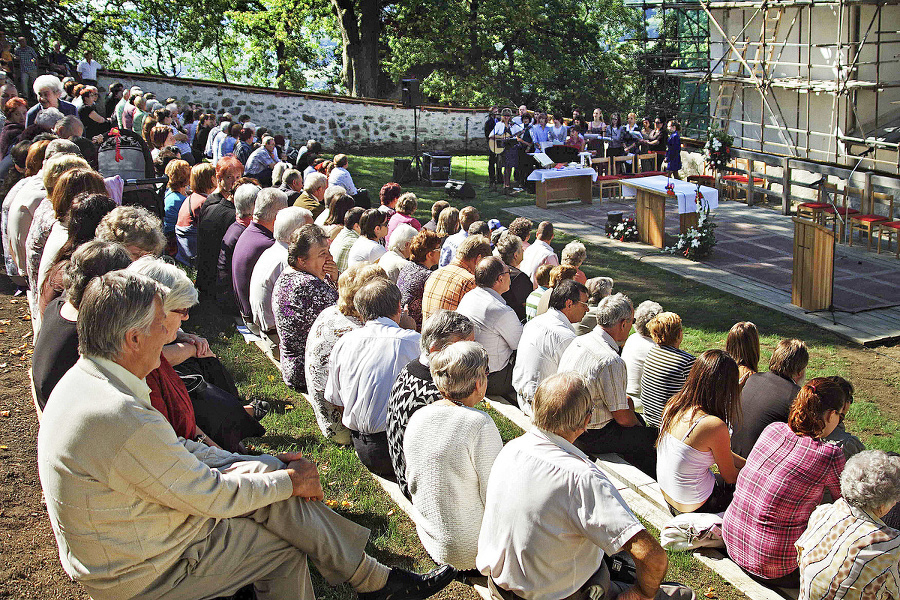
[(717, 150), (626, 231), (698, 242), (670, 188)]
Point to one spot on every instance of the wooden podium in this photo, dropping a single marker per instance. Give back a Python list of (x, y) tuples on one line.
[(812, 284)]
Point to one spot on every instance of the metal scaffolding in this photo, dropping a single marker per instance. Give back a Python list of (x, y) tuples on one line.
[(816, 79)]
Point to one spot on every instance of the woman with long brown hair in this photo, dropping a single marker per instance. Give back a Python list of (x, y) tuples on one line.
[(790, 467), (694, 435), (743, 346)]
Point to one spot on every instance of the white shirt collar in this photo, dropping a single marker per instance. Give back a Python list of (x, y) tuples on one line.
[(385, 321), (137, 386), (493, 293), (562, 443), (559, 316), (607, 338)]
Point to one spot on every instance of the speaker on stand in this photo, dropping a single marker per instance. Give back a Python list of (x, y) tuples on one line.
[(411, 98)]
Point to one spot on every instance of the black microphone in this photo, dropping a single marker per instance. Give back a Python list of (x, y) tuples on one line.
[(866, 152)]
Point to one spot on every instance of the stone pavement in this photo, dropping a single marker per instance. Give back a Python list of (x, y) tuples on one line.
[(753, 260)]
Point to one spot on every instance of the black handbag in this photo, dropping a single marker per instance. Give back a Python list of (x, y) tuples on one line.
[(220, 414)]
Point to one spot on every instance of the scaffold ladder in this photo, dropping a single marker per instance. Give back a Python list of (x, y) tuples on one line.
[(732, 68), (768, 38)]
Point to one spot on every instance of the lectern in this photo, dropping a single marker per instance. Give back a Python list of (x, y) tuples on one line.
[(812, 284)]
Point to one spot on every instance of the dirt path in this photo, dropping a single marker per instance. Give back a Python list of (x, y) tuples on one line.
[(29, 562)]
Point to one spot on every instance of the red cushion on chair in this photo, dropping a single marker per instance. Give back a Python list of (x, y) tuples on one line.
[(739, 178), (609, 178), (815, 205), (892, 224), (841, 210), (869, 218)]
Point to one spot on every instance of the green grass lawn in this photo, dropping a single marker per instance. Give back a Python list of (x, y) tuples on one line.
[(707, 314)]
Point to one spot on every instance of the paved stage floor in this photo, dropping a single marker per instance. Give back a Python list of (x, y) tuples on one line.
[(753, 259)]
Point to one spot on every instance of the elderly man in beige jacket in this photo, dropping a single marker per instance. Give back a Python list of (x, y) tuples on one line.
[(139, 513)]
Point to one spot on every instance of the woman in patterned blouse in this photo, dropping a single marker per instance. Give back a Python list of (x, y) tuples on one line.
[(331, 324), (425, 250), (789, 468), (302, 291)]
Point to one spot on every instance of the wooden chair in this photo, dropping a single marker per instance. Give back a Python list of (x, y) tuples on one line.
[(645, 162), (891, 228), (867, 223), (620, 164), (734, 182), (815, 210), (840, 214)]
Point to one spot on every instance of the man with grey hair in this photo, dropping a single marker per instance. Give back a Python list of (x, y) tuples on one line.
[(308, 192), (67, 127), (638, 345), (545, 338), (244, 205), (598, 289), (109, 461), (255, 240), (415, 388), (48, 118), (614, 426), (269, 266), (847, 550), (364, 366), (397, 257), (497, 327), (550, 514)]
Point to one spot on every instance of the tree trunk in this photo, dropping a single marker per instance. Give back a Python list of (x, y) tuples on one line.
[(360, 23)]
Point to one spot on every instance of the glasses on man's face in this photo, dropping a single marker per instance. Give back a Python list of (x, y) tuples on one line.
[(184, 312)]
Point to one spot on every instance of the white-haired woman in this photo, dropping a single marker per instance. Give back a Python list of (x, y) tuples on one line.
[(397, 256), (225, 418), (574, 254), (49, 91), (450, 448), (847, 550)]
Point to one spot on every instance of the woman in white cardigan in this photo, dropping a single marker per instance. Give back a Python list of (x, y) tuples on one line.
[(450, 448)]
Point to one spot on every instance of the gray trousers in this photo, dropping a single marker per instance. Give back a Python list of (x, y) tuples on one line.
[(268, 548)]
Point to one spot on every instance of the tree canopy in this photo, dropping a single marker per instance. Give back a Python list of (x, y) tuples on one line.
[(551, 54)]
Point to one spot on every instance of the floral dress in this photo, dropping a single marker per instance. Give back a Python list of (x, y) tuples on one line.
[(297, 300), (411, 282), (326, 330)]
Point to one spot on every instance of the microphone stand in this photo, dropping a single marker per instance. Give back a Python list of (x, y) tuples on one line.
[(837, 213)]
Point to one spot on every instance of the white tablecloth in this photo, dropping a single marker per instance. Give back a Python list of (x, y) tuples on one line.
[(545, 174), (685, 191)]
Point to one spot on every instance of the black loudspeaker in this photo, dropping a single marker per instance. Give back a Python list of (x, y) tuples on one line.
[(403, 171), (410, 93), (460, 189)]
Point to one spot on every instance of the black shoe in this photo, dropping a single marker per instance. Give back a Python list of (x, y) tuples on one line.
[(404, 585), (260, 409)]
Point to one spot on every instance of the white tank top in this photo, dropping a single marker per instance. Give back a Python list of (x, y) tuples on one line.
[(684, 472)]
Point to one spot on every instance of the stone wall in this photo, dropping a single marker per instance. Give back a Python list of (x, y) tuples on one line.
[(340, 123)]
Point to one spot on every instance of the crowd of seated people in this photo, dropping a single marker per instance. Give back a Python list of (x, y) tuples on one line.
[(395, 331)]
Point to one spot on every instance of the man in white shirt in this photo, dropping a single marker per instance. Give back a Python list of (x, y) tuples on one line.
[(88, 69), (110, 464), (364, 366), (497, 327), (636, 348), (614, 426), (269, 266), (523, 110), (224, 123), (508, 132), (550, 514), (467, 216), (540, 252), (545, 338), (341, 176)]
